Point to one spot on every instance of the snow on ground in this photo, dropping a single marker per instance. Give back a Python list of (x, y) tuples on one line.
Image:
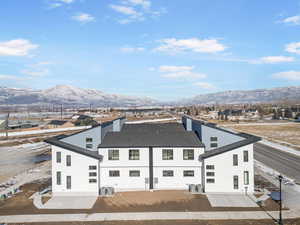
[(20, 133), (280, 147), (151, 120), (17, 159)]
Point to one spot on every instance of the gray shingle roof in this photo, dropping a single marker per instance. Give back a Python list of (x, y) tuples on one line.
[(154, 135)]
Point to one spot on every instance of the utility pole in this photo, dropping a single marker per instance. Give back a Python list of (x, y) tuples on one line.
[(61, 111), (280, 200), (6, 125)]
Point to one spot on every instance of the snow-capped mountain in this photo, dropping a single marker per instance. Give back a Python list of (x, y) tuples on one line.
[(66, 94), (69, 95), (251, 96)]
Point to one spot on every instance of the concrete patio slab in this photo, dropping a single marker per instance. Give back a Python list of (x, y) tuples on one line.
[(70, 202), (230, 200)]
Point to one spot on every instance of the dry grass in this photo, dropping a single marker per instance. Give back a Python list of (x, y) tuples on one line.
[(289, 133)]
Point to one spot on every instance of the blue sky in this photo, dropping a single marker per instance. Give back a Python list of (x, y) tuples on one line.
[(165, 49)]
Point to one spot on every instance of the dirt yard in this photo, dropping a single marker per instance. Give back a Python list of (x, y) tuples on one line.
[(289, 133), (175, 222), (124, 202)]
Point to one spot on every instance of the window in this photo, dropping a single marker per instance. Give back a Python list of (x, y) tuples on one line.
[(89, 146), (68, 182), (235, 182), (246, 156), (92, 174), (58, 157), (210, 174), (92, 181), (113, 154), (134, 154), (134, 173), (210, 167), (168, 173), (188, 154), (68, 160), (213, 145), (246, 177), (92, 167), (188, 173), (210, 181), (213, 138), (114, 173), (88, 140), (167, 154), (235, 160), (58, 178)]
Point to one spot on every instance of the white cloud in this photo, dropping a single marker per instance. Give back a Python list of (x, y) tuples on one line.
[(175, 68), (205, 85), (9, 77), (293, 47), (59, 3), (125, 10), (17, 47), (37, 70), (144, 3), (135, 11), (173, 45), (35, 73), (84, 18), (180, 72), (294, 20), (276, 59), (131, 49), (66, 1), (288, 75)]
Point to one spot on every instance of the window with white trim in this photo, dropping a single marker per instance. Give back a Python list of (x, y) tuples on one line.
[(134, 154), (113, 154), (168, 173), (188, 173), (167, 154), (188, 154)]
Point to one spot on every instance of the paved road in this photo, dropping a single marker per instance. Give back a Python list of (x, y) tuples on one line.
[(283, 162)]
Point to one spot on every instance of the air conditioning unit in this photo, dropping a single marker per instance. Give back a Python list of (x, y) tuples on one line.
[(107, 191), (195, 188), (199, 188), (192, 188)]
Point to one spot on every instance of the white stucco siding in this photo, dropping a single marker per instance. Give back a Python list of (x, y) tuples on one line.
[(178, 181), (177, 165), (124, 182), (224, 171), (79, 172), (124, 158)]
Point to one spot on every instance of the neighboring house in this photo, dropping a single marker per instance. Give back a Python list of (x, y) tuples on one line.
[(114, 156), (84, 120), (59, 123), (20, 124)]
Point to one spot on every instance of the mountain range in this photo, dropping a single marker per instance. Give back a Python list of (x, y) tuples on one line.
[(249, 96), (69, 95)]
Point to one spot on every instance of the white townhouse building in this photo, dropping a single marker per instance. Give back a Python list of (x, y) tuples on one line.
[(116, 156)]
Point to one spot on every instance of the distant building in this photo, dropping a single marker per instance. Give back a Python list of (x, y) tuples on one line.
[(22, 124), (59, 123)]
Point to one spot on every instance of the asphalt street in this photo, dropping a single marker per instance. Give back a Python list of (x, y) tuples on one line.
[(283, 162)]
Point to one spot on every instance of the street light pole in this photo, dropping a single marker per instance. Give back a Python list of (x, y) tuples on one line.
[(280, 200)]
